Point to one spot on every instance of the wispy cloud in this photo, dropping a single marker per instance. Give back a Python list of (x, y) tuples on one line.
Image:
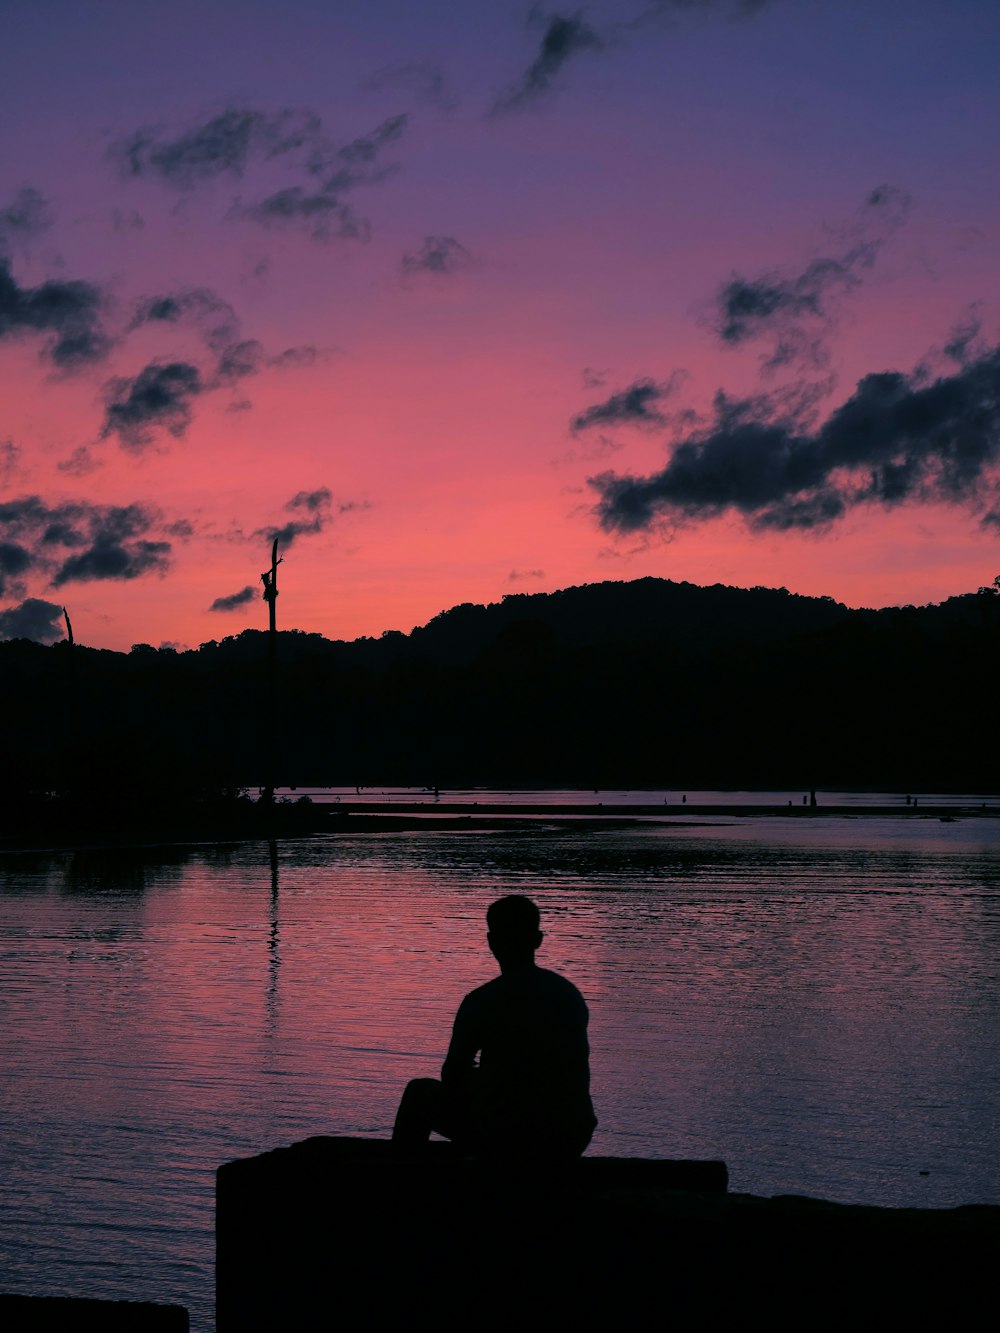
[(214, 317), (236, 143), (794, 311), (27, 216), (224, 145), (310, 512), (319, 207), (438, 254)]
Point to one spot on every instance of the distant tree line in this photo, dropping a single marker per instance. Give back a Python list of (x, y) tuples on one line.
[(646, 683)]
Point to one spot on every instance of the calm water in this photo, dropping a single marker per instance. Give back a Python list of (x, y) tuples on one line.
[(815, 1001)]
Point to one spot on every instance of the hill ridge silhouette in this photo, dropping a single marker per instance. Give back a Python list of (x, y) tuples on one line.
[(638, 683)]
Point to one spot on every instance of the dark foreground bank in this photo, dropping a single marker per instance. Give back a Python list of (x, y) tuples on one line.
[(341, 1232)]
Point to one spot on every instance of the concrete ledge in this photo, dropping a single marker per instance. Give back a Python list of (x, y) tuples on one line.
[(339, 1232)]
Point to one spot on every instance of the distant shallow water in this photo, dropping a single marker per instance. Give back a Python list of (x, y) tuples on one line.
[(615, 796), (814, 1001)]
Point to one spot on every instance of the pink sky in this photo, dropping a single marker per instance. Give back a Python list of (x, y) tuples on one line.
[(588, 228)]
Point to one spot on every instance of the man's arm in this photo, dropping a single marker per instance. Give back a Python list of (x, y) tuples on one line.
[(464, 1046)]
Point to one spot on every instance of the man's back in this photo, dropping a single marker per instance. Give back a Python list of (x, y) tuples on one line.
[(529, 1095), (529, 1028)]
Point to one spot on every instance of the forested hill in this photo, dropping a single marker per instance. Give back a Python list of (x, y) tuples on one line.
[(646, 682)]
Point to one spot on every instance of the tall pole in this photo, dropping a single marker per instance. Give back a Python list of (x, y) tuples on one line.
[(270, 581), (71, 756)]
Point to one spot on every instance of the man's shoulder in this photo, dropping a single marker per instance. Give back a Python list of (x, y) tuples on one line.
[(535, 978), (556, 980), (557, 984)]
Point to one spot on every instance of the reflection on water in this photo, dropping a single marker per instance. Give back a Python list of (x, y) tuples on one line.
[(814, 1001)]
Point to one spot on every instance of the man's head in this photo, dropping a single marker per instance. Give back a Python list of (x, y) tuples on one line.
[(514, 934)]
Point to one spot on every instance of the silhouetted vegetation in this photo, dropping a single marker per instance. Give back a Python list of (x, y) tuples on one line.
[(646, 683)]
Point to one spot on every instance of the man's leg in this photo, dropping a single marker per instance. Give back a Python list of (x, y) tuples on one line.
[(420, 1112)]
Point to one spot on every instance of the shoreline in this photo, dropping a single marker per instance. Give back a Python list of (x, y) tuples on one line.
[(94, 831)]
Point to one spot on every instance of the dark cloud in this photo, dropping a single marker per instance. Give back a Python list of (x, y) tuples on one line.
[(918, 438), (14, 560), (517, 575), (117, 547), (34, 619), (637, 405), (75, 540), (27, 216), (225, 145), (235, 599), (157, 399), (795, 312), (66, 313), (214, 318), (310, 510), (564, 38), (437, 254), (108, 559)]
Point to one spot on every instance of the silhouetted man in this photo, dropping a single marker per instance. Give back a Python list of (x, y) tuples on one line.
[(529, 1095)]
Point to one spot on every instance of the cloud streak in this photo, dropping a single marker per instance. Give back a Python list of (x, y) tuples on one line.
[(234, 600), (916, 438), (636, 405), (566, 38)]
